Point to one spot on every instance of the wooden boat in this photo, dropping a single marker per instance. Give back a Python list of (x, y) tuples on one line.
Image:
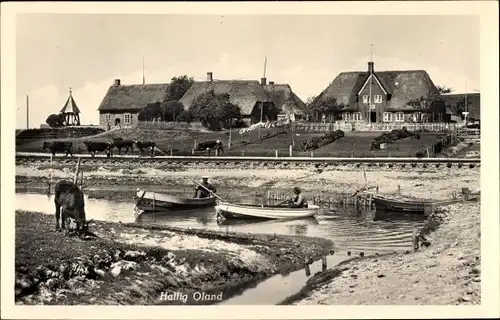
[(403, 204), (246, 211), (154, 201)]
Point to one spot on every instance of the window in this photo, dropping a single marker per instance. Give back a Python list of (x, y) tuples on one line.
[(399, 117), (378, 98), (127, 118), (356, 116), (107, 117), (387, 117), (346, 116), (365, 99)]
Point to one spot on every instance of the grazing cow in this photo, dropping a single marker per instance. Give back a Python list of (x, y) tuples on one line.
[(209, 145), (94, 147), (141, 145), (119, 143), (70, 204), (58, 146)]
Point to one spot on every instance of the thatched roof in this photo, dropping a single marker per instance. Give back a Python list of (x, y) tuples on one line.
[(474, 107), (403, 86), (285, 99), (132, 97), (243, 93), (70, 106)]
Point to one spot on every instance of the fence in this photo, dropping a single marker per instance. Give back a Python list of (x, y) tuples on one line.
[(373, 127), (469, 135), (170, 125)]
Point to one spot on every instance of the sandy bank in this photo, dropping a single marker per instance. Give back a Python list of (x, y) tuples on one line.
[(133, 264), (445, 273)]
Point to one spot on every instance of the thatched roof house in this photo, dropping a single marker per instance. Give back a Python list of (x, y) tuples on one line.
[(122, 102), (372, 93), (248, 95), (473, 106), (285, 99)]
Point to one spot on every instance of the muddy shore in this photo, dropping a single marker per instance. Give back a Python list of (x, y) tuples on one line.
[(133, 263), (445, 271)]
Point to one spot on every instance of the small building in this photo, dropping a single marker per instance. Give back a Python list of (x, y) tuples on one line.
[(122, 103), (249, 95), (381, 96), (70, 111), (291, 106), (455, 104)]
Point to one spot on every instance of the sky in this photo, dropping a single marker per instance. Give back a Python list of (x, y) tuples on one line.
[(87, 52)]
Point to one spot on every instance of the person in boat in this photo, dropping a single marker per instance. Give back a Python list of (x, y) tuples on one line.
[(299, 201), (201, 192)]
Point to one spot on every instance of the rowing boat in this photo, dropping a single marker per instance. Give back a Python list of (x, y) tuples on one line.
[(246, 211), (154, 201), (403, 204)]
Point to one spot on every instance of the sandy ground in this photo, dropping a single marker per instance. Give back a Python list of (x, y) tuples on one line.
[(445, 273)]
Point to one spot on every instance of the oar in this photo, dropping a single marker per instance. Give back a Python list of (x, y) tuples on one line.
[(207, 189)]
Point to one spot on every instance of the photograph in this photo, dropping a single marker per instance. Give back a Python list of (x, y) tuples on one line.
[(249, 158)]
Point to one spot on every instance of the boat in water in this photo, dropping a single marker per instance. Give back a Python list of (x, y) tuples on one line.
[(155, 201), (249, 211)]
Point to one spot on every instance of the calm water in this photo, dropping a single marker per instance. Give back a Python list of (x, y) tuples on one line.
[(348, 229)]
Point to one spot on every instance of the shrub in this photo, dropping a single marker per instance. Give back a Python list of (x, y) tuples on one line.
[(390, 137), (318, 142), (55, 121)]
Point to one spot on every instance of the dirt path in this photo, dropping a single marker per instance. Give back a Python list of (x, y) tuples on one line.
[(133, 264), (448, 272)]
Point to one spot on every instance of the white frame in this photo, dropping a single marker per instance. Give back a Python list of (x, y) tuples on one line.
[(346, 116), (356, 116), (387, 117), (107, 118), (125, 116), (377, 98), (399, 117), (366, 99)]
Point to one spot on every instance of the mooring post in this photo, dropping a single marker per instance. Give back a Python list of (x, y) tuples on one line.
[(414, 241), (323, 264), (75, 179)]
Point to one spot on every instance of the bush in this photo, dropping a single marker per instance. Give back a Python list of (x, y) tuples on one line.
[(55, 121), (318, 142), (390, 137), (61, 132)]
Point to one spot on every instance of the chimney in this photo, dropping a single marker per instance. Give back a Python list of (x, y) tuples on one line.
[(271, 82), (370, 67), (263, 81), (116, 83), (209, 77)]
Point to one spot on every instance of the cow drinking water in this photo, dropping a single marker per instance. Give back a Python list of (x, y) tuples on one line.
[(70, 205), (142, 145), (93, 147), (58, 146)]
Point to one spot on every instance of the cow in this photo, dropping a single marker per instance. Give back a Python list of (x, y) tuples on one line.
[(70, 205), (141, 145), (209, 145), (58, 146), (94, 147), (119, 143)]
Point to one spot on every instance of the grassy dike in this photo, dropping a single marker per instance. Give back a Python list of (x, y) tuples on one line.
[(133, 263)]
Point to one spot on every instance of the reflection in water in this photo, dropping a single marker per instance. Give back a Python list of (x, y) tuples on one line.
[(349, 229)]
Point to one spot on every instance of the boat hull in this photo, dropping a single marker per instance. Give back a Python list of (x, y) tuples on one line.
[(403, 205), (154, 201), (236, 211)]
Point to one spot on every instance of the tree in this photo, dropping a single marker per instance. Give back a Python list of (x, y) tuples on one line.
[(461, 105), (327, 107), (178, 87), (171, 110), (444, 89), (152, 111), (214, 110), (55, 120), (431, 106)]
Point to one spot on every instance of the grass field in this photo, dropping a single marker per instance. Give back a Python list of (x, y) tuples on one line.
[(181, 142)]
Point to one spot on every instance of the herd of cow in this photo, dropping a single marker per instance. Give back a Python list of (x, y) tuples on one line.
[(100, 146)]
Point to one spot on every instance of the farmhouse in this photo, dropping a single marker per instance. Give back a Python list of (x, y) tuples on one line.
[(455, 103), (381, 96), (122, 103), (250, 96), (291, 106)]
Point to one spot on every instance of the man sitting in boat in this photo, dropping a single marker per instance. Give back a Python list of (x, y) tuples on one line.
[(201, 192), (299, 201)]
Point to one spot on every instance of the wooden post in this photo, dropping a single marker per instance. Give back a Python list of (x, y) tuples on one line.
[(370, 200), (323, 264), (81, 179), (308, 271), (75, 179), (242, 152), (194, 144), (192, 152), (312, 154), (399, 190), (50, 175), (276, 151), (216, 152), (290, 150), (414, 241), (171, 152), (428, 154)]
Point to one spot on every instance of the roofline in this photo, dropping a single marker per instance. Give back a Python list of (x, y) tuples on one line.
[(366, 82)]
